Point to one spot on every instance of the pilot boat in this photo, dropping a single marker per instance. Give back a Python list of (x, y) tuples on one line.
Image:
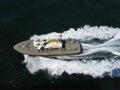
[(51, 47)]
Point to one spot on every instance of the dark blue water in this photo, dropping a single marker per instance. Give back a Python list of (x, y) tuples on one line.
[(20, 19)]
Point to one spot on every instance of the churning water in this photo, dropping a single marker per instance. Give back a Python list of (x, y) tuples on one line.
[(100, 57)]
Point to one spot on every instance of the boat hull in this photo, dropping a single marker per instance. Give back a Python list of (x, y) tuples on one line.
[(72, 47)]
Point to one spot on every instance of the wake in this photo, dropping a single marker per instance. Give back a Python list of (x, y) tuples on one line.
[(113, 46), (94, 40)]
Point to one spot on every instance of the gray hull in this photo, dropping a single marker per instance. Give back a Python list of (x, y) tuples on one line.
[(71, 47)]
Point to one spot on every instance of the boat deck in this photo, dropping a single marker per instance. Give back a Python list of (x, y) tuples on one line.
[(71, 47)]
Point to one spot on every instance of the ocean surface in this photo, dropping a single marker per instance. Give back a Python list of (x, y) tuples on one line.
[(95, 23)]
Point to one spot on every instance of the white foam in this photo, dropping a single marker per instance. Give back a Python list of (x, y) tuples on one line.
[(57, 67), (84, 33), (95, 68)]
